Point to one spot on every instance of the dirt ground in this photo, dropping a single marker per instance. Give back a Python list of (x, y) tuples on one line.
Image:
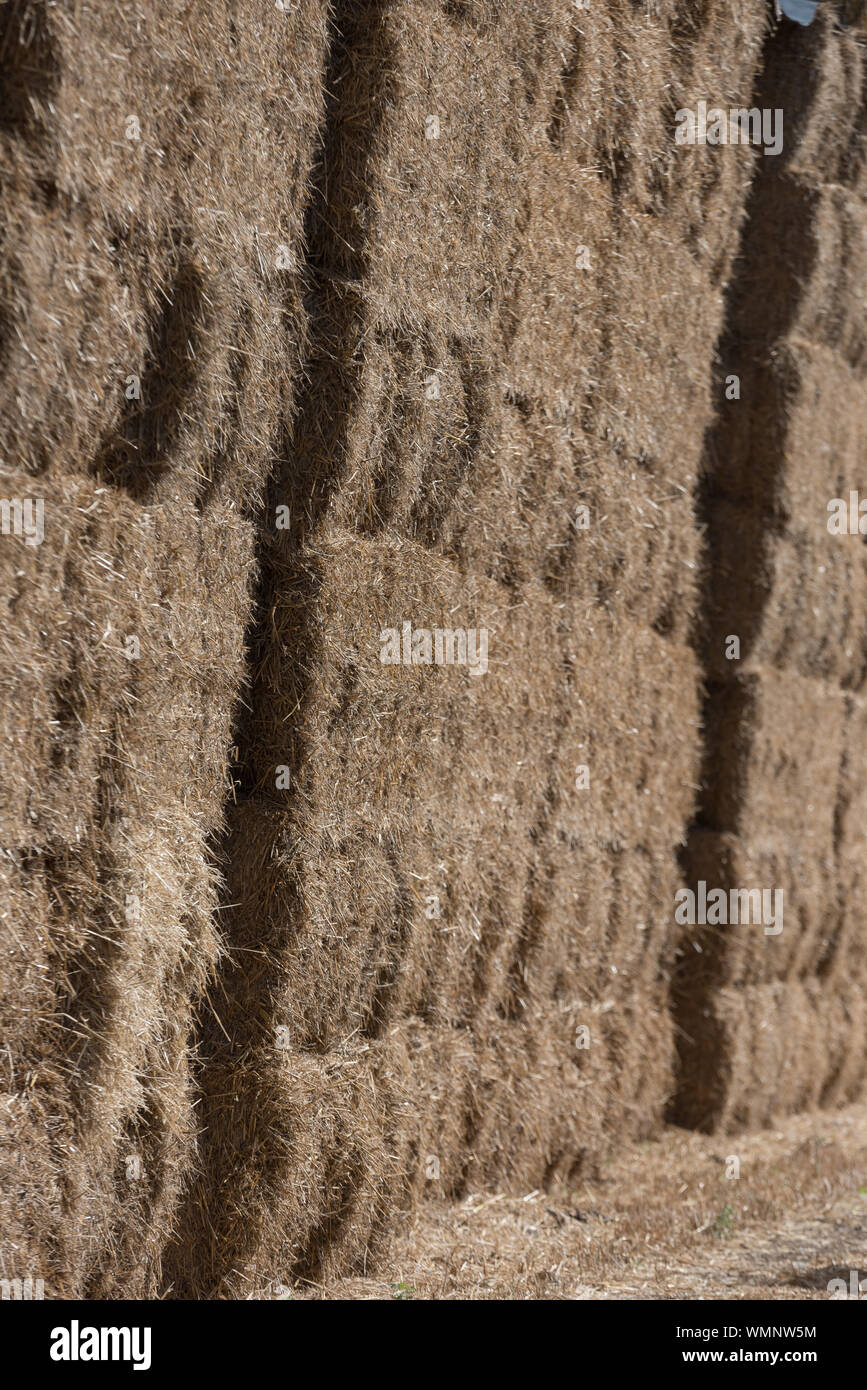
[(660, 1222)]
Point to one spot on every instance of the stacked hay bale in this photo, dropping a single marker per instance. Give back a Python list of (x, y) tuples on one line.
[(320, 321), (449, 954), (153, 160), (775, 1022)]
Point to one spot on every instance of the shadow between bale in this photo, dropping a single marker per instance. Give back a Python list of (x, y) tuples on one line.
[(260, 1151), (779, 248)]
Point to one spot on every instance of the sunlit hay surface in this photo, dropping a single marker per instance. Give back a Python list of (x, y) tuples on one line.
[(317, 322)]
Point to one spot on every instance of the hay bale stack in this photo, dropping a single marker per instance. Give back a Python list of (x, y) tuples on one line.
[(424, 918), (772, 1023), (320, 322), (152, 164)]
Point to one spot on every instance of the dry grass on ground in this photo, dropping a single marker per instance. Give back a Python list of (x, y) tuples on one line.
[(660, 1221)]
